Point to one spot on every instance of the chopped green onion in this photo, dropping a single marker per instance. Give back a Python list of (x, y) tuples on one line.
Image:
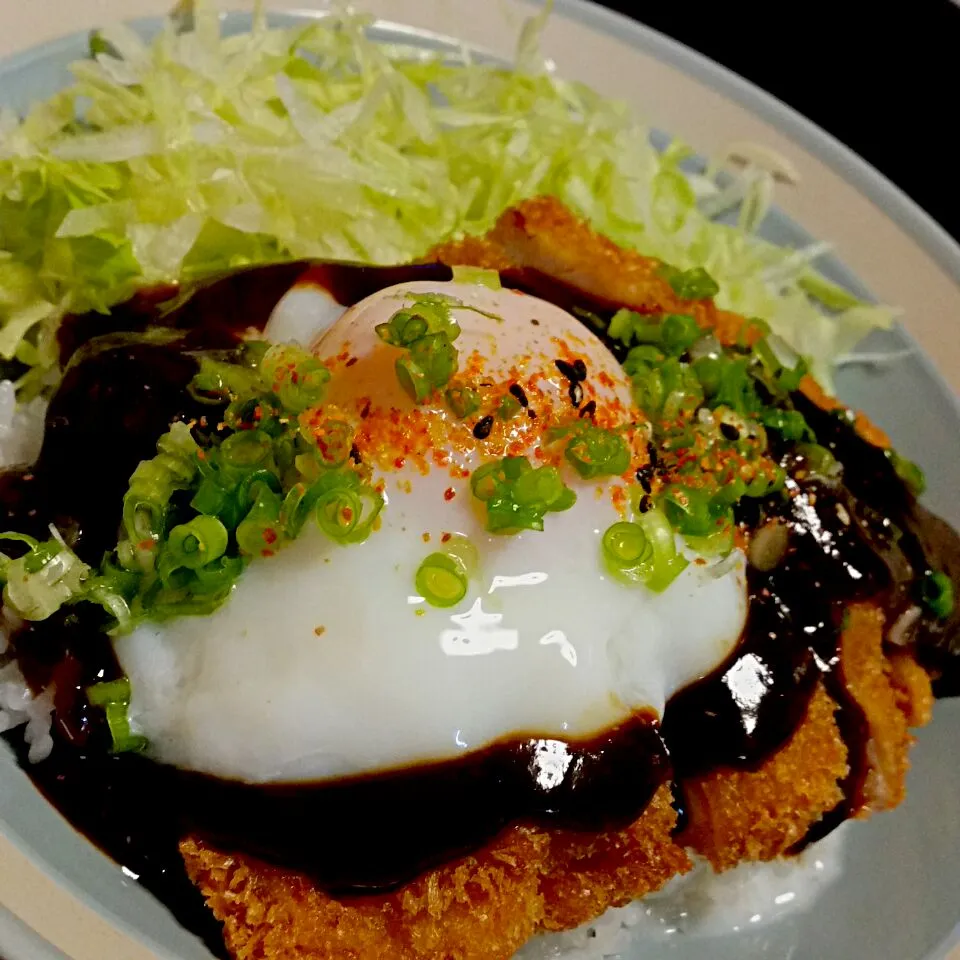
[(195, 544), (908, 472), (625, 545), (259, 531), (298, 379), (694, 512), (45, 578), (402, 329), (736, 389), (538, 486), (508, 407), (639, 359), (667, 564), (643, 551), (217, 380), (819, 461), (679, 333), (464, 551), (462, 401), (622, 324), (790, 424), (100, 694), (247, 449), (442, 580), (333, 439), (597, 452), (154, 482), (709, 371), (429, 364), (937, 593), (113, 697), (413, 378), (338, 513), (517, 496), (693, 284)]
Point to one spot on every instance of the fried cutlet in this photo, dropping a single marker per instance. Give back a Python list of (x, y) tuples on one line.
[(488, 904)]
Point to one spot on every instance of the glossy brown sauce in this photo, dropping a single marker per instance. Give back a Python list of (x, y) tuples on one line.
[(125, 381)]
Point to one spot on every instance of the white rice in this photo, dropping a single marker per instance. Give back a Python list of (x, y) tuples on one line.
[(21, 427), (21, 433)]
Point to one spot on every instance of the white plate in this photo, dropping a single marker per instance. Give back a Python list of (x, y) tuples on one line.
[(900, 895)]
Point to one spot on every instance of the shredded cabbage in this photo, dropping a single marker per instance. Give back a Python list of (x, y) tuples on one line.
[(198, 152)]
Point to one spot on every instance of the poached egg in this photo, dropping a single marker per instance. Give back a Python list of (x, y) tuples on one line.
[(326, 663)]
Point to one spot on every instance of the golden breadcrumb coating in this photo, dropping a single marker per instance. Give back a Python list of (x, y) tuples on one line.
[(888, 705), (740, 815), (488, 904), (587, 873), (481, 907)]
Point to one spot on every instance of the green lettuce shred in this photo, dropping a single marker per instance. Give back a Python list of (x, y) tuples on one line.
[(197, 153)]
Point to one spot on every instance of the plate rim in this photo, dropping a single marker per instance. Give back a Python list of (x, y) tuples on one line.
[(860, 175)]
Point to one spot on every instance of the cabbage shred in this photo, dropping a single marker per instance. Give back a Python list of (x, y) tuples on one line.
[(197, 153)]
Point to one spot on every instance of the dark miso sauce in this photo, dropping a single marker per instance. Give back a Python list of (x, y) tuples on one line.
[(125, 381)]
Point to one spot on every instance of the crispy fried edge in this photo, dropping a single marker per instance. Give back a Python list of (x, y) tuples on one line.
[(489, 904), (482, 906)]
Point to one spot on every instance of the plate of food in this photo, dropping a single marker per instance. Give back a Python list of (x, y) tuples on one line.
[(445, 518)]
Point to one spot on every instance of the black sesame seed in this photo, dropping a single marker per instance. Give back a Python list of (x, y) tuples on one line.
[(532, 414), (645, 484), (355, 455), (535, 322), (645, 504), (517, 391), (589, 409), (483, 427), (730, 432), (576, 394), (652, 455), (566, 369), (645, 475), (580, 369)]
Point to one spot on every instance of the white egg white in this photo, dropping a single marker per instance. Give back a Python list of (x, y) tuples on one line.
[(326, 663)]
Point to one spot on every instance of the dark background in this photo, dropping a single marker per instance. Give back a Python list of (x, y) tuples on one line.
[(883, 77)]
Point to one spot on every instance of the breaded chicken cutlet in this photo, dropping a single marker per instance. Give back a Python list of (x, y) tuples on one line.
[(532, 878)]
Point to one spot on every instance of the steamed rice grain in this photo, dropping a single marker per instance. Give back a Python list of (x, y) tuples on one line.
[(21, 433)]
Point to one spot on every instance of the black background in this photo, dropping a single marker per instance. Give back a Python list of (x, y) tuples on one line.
[(882, 77)]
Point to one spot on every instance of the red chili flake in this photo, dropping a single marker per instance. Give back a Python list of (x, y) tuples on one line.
[(201, 455), (267, 553), (351, 361), (347, 514), (320, 631), (446, 538), (449, 493), (365, 411), (258, 412), (426, 537), (146, 545), (269, 535), (399, 462)]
